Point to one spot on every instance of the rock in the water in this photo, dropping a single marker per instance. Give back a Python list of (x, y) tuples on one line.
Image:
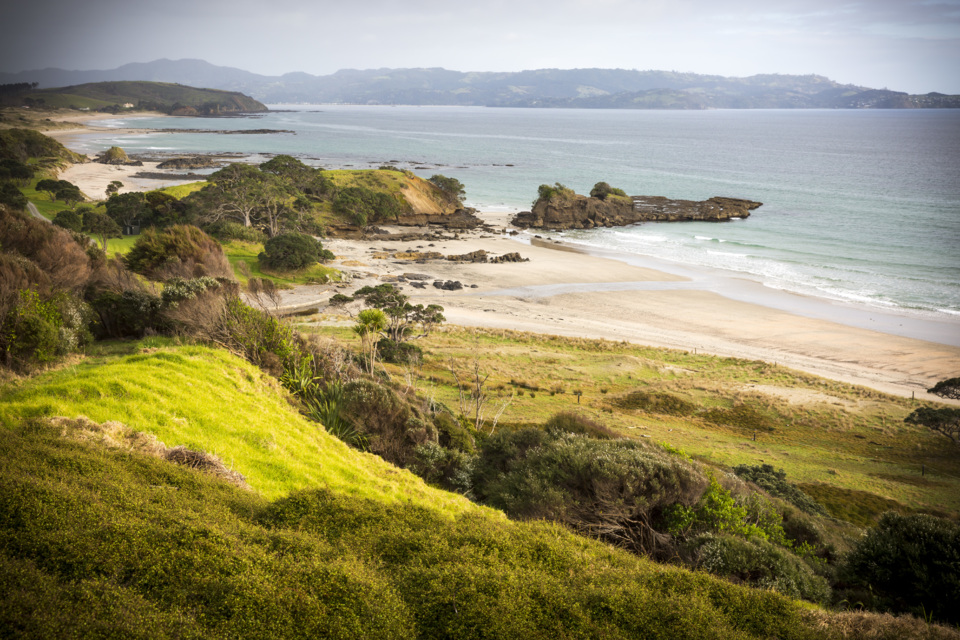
[(580, 212)]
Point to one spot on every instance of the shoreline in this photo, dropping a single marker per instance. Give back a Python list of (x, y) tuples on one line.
[(573, 290)]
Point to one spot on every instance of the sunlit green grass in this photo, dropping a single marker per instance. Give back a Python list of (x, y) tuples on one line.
[(207, 399), (241, 252)]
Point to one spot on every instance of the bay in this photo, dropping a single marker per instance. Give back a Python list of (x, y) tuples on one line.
[(860, 206)]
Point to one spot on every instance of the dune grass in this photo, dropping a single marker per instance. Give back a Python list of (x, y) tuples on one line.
[(848, 445)]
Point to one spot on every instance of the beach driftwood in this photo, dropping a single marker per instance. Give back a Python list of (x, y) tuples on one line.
[(581, 212)]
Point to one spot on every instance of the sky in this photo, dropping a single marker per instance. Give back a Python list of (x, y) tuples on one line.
[(906, 45)]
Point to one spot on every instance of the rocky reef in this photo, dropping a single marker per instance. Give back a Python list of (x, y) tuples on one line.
[(581, 212)]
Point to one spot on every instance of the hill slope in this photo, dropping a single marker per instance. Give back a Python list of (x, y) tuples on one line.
[(167, 97), (580, 88)]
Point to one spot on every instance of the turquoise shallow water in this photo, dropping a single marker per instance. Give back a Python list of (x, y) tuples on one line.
[(860, 207)]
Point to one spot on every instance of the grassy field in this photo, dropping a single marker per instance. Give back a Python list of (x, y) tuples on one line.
[(847, 446)]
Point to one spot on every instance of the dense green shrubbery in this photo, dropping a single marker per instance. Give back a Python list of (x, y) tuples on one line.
[(759, 563), (69, 219), (393, 425), (545, 193), (570, 422), (178, 251), (611, 489), (775, 483), (363, 206), (132, 313), (11, 197), (399, 352), (909, 563), (292, 251), (226, 230)]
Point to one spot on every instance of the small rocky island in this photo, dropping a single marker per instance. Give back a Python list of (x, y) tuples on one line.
[(559, 208)]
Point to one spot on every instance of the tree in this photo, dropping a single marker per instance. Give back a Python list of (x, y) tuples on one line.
[(127, 208), (949, 388), (453, 190), (70, 194), (292, 251), (15, 171), (363, 206), (370, 324), (70, 219), (101, 226), (235, 192), (944, 421), (401, 316), (11, 197), (113, 187)]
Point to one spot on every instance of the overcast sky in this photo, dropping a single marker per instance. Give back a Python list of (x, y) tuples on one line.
[(907, 45)]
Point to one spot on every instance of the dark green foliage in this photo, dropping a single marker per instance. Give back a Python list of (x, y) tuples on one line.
[(128, 208), (758, 563), (570, 422), (402, 317), (180, 250), (30, 333), (100, 226), (545, 193), (226, 230), (399, 352), (445, 468), (69, 219), (452, 434), (611, 489), (775, 483), (655, 402), (364, 206), (291, 251), (11, 197), (164, 210), (126, 314), (949, 388), (453, 190), (394, 425), (60, 190), (945, 420), (261, 338), (14, 171), (601, 190), (910, 563)]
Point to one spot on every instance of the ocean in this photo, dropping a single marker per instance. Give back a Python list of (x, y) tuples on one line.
[(861, 207)]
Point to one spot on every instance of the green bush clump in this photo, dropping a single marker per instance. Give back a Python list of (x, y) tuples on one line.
[(126, 314), (399, 352), (69, 219), (655, 402), (292, 251), (759, 563), (775, 483), (226, 230), (179, 250), (910, 563), (545, 193), (439, 466), (611, 489), (570, 422), (742, 416), (602, 190), (392, 424), (452, 434)]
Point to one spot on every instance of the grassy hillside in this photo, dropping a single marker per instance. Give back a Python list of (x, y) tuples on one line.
[(161, 96), (104, 540)]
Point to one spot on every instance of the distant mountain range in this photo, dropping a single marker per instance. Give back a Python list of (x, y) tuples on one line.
[(571, 88)]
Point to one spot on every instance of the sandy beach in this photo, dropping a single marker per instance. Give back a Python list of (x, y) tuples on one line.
[(564, 291)]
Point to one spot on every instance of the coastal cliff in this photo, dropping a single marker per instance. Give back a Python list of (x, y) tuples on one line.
[(581, 212)]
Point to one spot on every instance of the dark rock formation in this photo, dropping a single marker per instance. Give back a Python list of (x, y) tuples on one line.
[(580, 212), (194, 162), (461, 219), (509, 257), (474, 256), (116, 155), (449, 285)]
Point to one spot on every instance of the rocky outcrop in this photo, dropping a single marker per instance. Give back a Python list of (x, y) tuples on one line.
[(116, 155), (194, 162), (580, 212), (460, 219)]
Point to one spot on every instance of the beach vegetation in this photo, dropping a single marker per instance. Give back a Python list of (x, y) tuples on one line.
[(546, 192), (11, 197), (292, 251), (452, 189), (602, 191), (15, 171)]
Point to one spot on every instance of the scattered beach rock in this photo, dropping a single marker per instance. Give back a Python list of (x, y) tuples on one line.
[(449, 285), (509, 257)]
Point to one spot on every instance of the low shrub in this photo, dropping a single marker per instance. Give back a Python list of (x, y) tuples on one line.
[(775, 483), (451, 434), (126, 314), (758, 563), (910, 563), (292, 251), (178, 251), (399, 352), (445, 468), (570, 422), (655, 402), (392, 425), (742, 416)]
